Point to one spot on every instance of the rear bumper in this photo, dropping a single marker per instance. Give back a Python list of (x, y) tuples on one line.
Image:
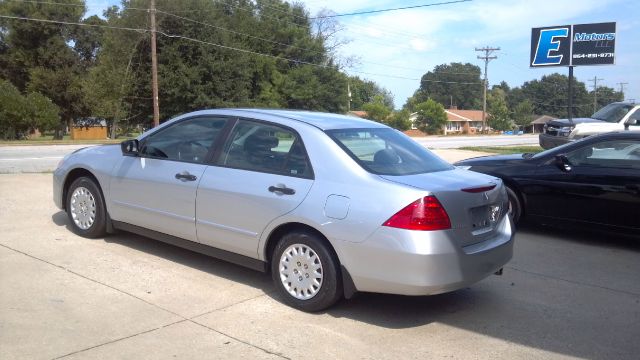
[(550, 141), (424, 263)]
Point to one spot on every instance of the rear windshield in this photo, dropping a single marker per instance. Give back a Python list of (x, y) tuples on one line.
[(387, 152)]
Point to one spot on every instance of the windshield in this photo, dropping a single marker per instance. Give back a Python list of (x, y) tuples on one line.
[(613, 112), (387, 152)]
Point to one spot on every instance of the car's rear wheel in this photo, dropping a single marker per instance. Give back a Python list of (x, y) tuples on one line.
[(515, 207), (306, 272), (86, 209)]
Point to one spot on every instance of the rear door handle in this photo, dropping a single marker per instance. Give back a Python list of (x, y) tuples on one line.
[(185, 176), (282, 189)]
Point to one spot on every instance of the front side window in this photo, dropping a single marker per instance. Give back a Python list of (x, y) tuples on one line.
[(188, 140), (387, 152), (263, 147), (608, 154)]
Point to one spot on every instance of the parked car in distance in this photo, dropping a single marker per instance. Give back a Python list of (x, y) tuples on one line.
[(329, 204), (613, 117), (593, 183)]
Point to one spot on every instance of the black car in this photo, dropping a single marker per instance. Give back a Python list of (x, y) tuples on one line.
[(593, 182)]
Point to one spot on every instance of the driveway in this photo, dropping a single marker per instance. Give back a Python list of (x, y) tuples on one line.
[(125, 296)]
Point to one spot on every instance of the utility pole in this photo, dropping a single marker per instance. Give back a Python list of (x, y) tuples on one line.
[(622, 84), (595, 93), (487, 51), (348, 97), (154, 65)]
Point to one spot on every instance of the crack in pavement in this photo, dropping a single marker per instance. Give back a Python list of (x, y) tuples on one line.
[(184, 319)]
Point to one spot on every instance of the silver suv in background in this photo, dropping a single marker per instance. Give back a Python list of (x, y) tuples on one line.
[(613, 117)]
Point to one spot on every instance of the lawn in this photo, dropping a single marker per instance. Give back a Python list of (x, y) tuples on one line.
[(505, 149)]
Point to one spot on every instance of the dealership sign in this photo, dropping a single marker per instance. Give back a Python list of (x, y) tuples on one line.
[(573, 45)]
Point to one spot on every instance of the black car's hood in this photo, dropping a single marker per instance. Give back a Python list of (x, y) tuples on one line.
[(565, 122)]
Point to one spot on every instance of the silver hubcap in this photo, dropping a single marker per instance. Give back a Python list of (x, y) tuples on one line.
[(83, 208), (301, 271)]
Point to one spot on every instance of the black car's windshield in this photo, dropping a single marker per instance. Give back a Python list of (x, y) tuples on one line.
[(612, 112), (387, 152)]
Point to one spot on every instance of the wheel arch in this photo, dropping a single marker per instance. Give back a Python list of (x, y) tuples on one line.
[(78, 173), (349, 288)]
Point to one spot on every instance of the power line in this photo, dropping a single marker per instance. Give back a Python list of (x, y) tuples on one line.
[(175, 36), (391, 9)]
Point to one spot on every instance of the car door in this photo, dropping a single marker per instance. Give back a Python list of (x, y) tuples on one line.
[(262, 173), (603, 184), (157, 189)]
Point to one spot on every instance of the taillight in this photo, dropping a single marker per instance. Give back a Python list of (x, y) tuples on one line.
[(425, 214)]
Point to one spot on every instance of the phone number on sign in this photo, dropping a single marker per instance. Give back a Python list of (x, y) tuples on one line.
[(592, 56)]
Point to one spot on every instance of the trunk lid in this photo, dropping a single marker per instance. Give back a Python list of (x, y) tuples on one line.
[(476, 203)]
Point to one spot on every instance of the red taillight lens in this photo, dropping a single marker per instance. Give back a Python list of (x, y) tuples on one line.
[(425, 214)]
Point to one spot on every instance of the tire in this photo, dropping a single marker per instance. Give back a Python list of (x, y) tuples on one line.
[(294, 258), (85, 208), (515, 206)]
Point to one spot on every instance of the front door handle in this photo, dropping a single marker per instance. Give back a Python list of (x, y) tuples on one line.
[(185, 176), (282, 189)]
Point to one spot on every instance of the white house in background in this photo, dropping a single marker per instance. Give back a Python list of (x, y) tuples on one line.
[(458, 121)]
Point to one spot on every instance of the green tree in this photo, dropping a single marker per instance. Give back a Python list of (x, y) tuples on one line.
[(523, 113), (38, 57), (400, 120), (549, 96), (430, 117), (364, 91), (454, 84), (377, 110), (499, 118), (606, 95), (20, 114)]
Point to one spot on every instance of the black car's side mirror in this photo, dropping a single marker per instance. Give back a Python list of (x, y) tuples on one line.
[(563, 163), (631, 121), (130, 147)]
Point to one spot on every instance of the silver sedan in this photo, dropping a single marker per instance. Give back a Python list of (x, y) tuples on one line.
[(329, 204)]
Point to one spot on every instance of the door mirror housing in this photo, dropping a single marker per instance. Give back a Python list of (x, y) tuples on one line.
[(563, 163), (130, 147), (629, 122)]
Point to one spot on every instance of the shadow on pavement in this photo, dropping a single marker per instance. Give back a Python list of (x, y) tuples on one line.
[(524, 311), (581, 236)]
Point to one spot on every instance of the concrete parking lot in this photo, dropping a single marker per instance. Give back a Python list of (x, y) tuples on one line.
[(564, 295)]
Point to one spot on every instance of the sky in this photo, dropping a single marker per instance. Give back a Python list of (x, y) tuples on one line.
[(396, 48)]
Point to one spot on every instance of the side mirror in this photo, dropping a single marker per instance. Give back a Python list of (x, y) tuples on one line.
[(130, 147), (631, 121), (563, 163)]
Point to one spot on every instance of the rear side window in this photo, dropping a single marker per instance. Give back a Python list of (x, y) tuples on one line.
[(387, 152), (264, 147)]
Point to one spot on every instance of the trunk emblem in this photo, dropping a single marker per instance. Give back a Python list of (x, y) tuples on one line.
[(486, 196)]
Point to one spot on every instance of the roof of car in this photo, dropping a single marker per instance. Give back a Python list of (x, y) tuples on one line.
[(321, 120)]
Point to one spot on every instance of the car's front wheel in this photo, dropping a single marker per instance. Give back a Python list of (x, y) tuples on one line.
[(306, 272), (85, 208)]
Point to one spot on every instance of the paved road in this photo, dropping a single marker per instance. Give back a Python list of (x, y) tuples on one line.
[(29, 159), (44, 158), (128, 297)]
